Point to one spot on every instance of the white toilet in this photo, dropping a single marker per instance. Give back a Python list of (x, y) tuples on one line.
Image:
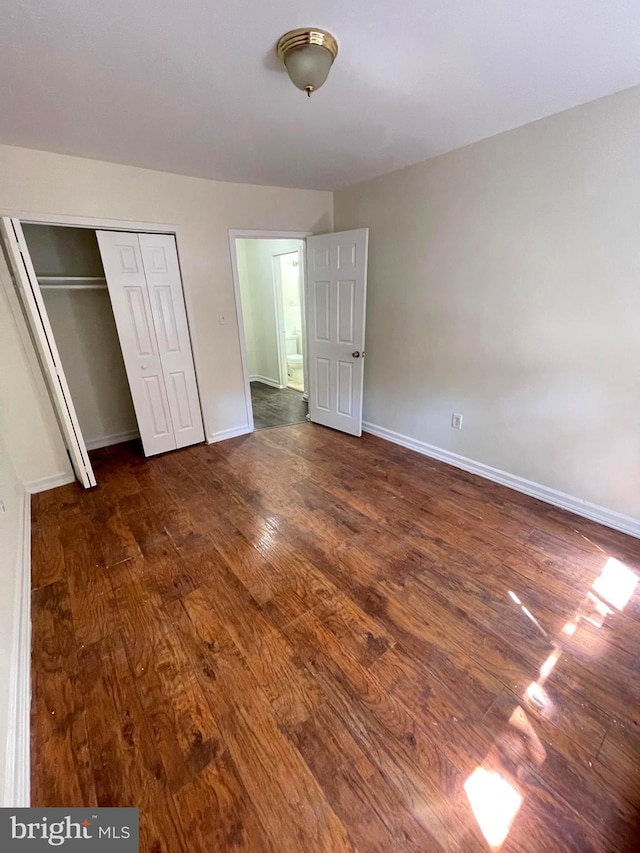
[(294, 363), (294, 369)]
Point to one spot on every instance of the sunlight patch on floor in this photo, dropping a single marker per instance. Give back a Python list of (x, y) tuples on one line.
[(616, 583), (495, 803)]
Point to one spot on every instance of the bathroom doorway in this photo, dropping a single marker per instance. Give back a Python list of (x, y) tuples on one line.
[(286, 278), (270, 278)]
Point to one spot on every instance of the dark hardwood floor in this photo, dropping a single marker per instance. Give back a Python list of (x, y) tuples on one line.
[(303, 641), (277, 406)]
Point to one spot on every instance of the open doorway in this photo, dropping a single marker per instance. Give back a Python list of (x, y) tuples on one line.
[(288, 298), (270, 283)]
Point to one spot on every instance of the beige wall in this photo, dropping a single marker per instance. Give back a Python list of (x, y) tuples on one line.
[(203, 211), (504, 283)]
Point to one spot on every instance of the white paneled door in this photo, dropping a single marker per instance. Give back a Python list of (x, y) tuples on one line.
[(42, 335), (160, 412), (336, 298), (162, 271)]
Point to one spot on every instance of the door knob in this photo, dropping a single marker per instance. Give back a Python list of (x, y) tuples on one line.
[(143, 367), (355, 354)]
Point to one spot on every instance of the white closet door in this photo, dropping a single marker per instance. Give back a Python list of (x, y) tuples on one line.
[(38, 321), (160, 259), (124, 271), (336, 298)]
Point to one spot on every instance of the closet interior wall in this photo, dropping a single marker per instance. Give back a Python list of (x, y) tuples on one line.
[(72, 283)]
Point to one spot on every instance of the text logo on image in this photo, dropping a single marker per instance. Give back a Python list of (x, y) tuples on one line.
[(80, 830)]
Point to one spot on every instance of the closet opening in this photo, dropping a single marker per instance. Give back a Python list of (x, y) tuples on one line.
[(106, 313), (74, 290)]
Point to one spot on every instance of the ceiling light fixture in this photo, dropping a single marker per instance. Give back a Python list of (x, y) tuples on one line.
[(308, 55)]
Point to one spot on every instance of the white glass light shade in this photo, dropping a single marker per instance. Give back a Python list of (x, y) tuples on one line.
[(308, 66)]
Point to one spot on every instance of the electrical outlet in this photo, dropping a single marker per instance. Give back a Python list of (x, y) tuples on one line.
[(456, 421)]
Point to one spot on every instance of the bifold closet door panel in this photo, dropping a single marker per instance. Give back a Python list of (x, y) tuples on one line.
[(124, 271), (37, 319), (162, 271)]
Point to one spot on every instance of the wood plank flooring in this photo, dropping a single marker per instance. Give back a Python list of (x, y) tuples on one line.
[(302, 641), (277, 406)]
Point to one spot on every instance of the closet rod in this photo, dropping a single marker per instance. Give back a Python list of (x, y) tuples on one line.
[(95, 286), (72, 282), (53, 279)]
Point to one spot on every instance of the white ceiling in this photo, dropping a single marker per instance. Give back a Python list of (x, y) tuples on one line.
[(193, 86)]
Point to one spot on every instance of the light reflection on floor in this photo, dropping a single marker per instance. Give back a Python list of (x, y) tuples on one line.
[(493, 788), (495, 803), (616, 584)]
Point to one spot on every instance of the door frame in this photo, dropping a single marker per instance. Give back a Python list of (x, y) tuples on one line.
[(254, 234), (279, 305), (100, 224), (276, 277)]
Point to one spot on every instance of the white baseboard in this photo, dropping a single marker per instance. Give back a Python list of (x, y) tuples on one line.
[(228, 433), (52, 482), (108, 440), (17, 785), (266, 381), (615, 520)]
